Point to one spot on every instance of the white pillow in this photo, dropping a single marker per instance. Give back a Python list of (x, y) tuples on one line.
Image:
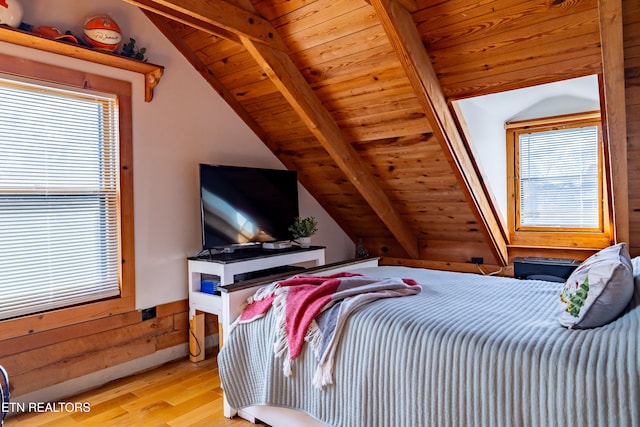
[(598, 290), (635, 264)]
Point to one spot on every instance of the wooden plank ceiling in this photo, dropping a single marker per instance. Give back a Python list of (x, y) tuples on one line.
[(355, 96)]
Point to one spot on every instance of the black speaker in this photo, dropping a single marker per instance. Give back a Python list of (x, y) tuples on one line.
[(549, 269)]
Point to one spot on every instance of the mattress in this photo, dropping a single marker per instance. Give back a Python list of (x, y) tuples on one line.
[(468, 350)]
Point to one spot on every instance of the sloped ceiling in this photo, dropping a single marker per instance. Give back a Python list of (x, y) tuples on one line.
[(355, 96)]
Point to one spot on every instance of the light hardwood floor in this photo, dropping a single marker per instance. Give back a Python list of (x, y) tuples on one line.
[(179, 393)]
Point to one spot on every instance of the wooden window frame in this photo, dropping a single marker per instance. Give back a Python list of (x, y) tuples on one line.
[(29, 324), (556, 237)]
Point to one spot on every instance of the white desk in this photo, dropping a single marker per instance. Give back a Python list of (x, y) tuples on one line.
[(226, 267)]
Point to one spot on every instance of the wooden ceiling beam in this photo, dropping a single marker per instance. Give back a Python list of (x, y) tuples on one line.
[(300, 95), (614, 113), (282, 71), (216, 17), (403, 34), (152, 8), (161, 23)]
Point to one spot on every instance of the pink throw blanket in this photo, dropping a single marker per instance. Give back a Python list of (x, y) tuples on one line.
[(315, 308)]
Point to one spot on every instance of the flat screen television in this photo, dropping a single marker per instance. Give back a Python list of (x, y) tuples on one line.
[(243, 206)]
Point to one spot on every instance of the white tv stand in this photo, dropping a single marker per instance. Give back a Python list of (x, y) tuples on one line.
[(226, 266)]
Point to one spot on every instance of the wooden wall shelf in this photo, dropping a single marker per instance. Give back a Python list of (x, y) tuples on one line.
[(152, 73)]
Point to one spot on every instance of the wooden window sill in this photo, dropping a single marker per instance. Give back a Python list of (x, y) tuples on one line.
[(152, 73)]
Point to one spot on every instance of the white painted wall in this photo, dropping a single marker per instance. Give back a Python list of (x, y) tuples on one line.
[(486, 116), (186, 123)]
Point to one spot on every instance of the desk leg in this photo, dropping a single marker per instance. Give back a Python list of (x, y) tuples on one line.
[(196, 337), (220, 337)]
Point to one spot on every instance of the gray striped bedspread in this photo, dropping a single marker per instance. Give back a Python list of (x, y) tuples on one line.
[(469, 350)]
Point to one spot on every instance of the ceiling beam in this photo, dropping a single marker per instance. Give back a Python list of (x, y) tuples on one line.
[(615, 116), (216, 17), (162, 24), (403, 34), (286, 76), (300, 95)]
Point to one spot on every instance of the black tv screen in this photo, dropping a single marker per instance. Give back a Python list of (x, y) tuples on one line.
[(242, 205)]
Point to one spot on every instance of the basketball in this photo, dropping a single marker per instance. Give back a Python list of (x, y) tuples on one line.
[(102, 32), (11, 13)]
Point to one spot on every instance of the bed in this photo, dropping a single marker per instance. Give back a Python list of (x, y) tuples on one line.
[(468, 350)]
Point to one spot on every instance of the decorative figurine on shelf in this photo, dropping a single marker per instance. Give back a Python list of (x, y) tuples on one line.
[(11, 13), (129, 50), (102, 32), (302, 229), (361, 252)]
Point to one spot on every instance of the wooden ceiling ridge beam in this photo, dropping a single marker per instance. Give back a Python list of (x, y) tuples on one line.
[(216, 17), (285, 75), (403, 34), (615, 115)]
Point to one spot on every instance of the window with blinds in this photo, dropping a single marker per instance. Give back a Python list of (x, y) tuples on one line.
[(559, 179), (59, 197)]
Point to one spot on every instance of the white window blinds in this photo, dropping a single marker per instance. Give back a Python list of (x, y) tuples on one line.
[(559, 178), (59, 198)]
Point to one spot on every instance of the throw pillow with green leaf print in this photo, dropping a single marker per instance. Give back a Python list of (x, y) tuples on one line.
[(598, 290)]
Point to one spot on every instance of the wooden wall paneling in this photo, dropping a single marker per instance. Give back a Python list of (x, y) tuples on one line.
[(238, 80), (70, 349), (386, 125), (302, 37), (221, 54), (528, 72), (273, 9), (436, 15), (448, 250), (254, 89), (35, 340), (371, 103), (415, 150), (402, 32), (313, 14), (280, 132), (448, 266), (231, 63), (366, 90), (82, 365), (417, 184), (169, 309), (551, 37), (46, 358), (337, 71), (462, 65), (354, 43), (509, 22), (294, 87), (49, 365), (510, 47), (391, 128), (378, 245), (179, 332), (192, 37)]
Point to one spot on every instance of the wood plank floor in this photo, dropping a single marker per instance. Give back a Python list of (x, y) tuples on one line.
[(179, 393)]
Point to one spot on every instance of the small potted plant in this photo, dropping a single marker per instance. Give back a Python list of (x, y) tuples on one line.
[(302, 229)]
